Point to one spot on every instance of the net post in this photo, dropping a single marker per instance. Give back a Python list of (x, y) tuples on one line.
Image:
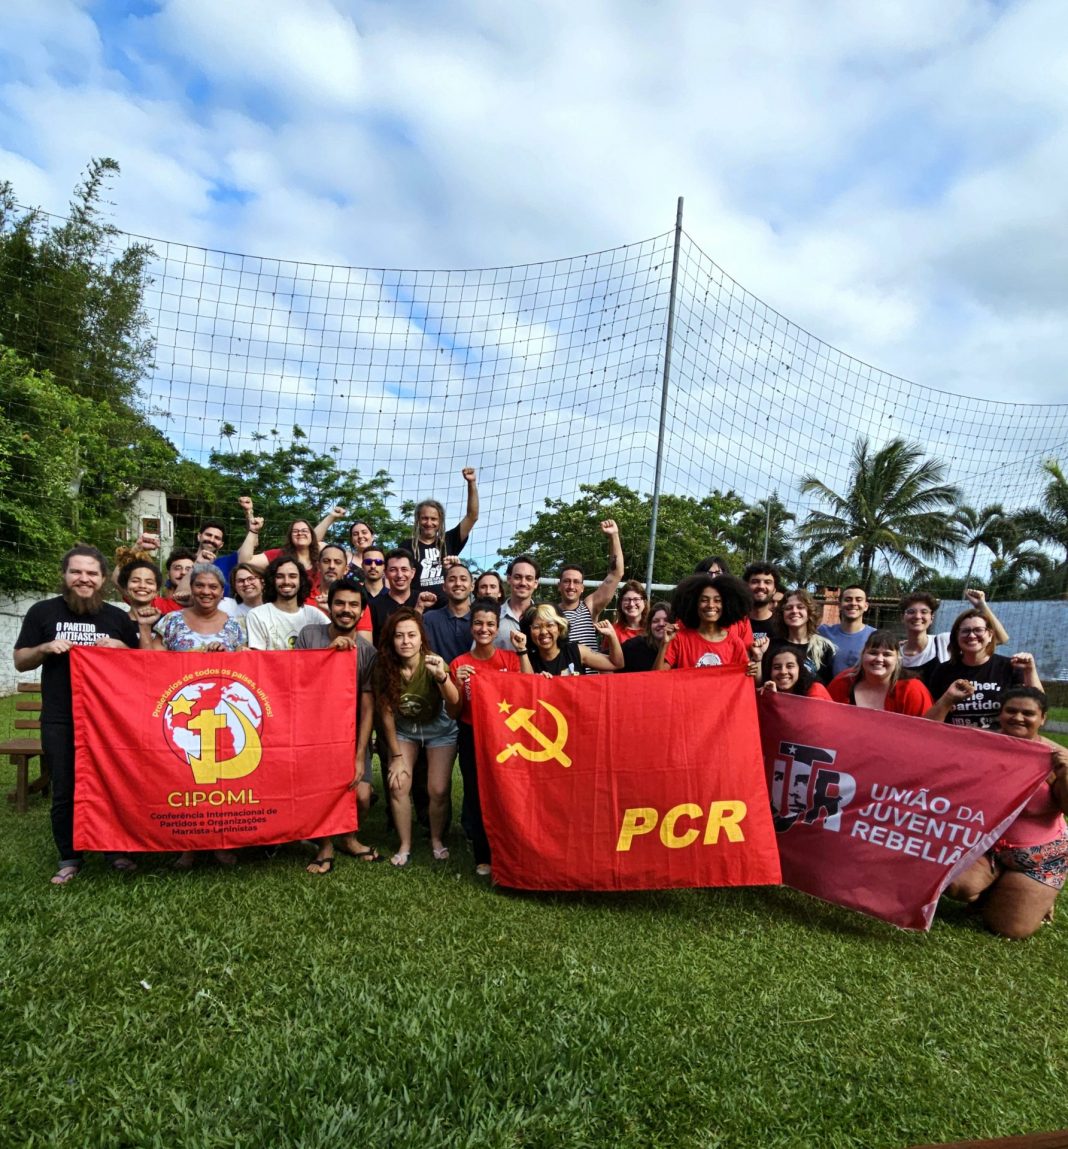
[(669, 335)]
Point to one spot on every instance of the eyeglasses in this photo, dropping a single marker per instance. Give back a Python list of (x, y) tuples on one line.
[(972, 633), (631, 601), (374, 562)]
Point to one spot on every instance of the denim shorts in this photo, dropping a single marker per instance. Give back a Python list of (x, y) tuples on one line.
[(439, 731)]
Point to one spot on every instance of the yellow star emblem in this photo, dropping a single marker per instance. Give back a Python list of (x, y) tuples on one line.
[(182, 705), (504, 708)]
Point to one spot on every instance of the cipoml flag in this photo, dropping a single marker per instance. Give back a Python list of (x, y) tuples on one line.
[(212, 751), (879, 812), (623, 782)]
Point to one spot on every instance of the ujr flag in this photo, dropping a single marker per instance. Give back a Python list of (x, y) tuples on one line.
[(623, 782), (879, 812), (212, 751)]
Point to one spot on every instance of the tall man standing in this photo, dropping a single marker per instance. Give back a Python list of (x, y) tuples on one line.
[(448, 628), (78, 617), (763, 581), (581, 613), (431, 543), (851, 633)]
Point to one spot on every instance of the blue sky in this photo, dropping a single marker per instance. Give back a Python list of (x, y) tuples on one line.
[(889, 176)]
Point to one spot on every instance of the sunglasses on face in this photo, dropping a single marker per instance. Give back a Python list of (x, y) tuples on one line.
[(374, 562)]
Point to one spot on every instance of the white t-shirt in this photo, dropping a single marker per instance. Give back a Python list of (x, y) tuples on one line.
[(272, 629), (937, 648)]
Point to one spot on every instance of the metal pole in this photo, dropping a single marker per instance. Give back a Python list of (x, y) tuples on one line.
[(664, 398), (767, 529)]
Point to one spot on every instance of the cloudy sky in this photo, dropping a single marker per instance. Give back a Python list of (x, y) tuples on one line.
[(888, 176)]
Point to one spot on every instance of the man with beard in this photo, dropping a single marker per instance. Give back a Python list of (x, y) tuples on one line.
[(345, 603), (763, 582), (78, 617), (851, 633), (431, 543), (276, 624)]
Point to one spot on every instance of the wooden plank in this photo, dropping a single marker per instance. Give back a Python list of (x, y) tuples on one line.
[(28, 705), (29, 688)]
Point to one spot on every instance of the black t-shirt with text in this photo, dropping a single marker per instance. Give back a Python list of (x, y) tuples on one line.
[(990, 680), (52, 619)]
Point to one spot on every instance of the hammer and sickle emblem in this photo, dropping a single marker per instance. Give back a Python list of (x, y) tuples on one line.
[(551, 748), (207, 768)]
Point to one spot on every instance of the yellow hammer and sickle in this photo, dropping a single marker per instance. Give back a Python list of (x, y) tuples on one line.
[(206, 769), (550, 748)]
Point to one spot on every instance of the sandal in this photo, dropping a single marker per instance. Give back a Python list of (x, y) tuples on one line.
[(326, 866), (124, 865), (371, 855), (64, 875), (184, 861), (441, 853), (401, 859), (483, 869)]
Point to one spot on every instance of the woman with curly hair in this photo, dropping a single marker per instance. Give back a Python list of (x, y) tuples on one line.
[(796, 620), (706, 608), (412, 687), (877, 683)]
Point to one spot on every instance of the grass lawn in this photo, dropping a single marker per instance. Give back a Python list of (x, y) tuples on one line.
[(1058, 713), (373, 1007)]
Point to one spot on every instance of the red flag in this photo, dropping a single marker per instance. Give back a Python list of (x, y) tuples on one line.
[(623, 782), (211, 751), (878, 812)]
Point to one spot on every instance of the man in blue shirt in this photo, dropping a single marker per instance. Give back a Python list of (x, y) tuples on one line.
[(850, 634)]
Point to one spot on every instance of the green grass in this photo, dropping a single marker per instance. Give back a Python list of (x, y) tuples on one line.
[(1058, 713), (371, 1007)]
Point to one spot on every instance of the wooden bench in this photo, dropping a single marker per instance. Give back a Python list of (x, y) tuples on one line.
[(20, 751)]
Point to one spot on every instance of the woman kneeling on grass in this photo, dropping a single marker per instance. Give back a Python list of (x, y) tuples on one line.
[(482, 658), (411, 684), (1017, 882), (876, 682), (788, 675)]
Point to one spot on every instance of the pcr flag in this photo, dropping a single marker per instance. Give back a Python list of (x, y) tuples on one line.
[(623, 782)]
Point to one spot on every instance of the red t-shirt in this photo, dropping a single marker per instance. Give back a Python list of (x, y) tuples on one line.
[(500, 660), (818, 690), (624, 632), (906, 696), (689, 649), (166, 605)]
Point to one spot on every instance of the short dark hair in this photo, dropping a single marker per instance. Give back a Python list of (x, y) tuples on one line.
[(853, 586), (736, 596), (212, 523), (762, 568), (399, 553), (523, 559), (270, 590), (486, 606), (919, 596), (706, 565), (1031, 692), (332, 547), (84, 551), (349, 584), (573, 567), (122, 579), (180, 554)]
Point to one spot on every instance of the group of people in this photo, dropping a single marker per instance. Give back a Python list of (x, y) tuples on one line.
[(421, 626)]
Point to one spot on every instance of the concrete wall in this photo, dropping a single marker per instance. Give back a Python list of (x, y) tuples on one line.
[(12, 611)]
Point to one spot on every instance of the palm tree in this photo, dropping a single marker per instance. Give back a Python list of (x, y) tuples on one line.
[(1048, 523), (897, 504), (1015, 558), (981, 530)]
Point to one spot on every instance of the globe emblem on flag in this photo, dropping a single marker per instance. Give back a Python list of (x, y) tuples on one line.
[(214, 726)]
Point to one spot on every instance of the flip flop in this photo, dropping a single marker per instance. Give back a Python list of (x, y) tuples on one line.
[(326, 864), (124, 865), (441, 853), (371, 855), (401, 859), (64, 875)]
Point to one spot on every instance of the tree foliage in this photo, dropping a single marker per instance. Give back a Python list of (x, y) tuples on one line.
[(688, 530), (897, 505)]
